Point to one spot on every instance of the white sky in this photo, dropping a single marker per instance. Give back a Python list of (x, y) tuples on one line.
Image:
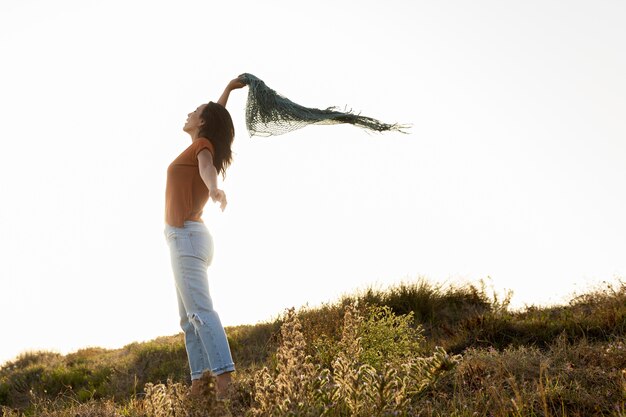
[(514, 168)]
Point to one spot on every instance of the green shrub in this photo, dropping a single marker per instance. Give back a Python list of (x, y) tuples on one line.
[(387, 338), (384, 336)]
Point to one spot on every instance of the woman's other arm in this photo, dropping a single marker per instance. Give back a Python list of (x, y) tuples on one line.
[(208, 173)]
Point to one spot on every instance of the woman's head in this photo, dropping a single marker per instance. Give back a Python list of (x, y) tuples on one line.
[(213, 122)]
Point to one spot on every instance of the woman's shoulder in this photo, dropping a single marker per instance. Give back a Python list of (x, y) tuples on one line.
[(202, 141)]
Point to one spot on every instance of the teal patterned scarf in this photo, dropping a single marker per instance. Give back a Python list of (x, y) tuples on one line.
[(268, 113)]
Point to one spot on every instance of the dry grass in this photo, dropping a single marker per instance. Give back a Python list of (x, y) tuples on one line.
[(376, 359)]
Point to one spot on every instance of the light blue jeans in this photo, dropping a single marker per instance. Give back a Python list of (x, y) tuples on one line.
[(191, 249)]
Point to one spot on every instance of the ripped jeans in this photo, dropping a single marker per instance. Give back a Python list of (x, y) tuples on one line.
[(191, 249)]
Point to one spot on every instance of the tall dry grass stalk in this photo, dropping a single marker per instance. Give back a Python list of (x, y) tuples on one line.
[(351, 386)]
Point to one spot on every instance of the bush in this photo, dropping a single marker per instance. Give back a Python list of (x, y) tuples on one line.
[(391, 385)]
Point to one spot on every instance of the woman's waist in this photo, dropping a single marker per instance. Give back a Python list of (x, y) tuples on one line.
[(188, 225)]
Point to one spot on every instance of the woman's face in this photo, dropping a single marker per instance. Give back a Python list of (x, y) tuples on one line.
[(193, 119)]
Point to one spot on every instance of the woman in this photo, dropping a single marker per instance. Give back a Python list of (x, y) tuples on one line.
[(191, 180)]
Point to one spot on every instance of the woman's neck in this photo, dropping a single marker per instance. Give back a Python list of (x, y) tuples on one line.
[(195, 134)]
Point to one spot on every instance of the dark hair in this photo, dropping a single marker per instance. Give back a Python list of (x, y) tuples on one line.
[(219, 130)]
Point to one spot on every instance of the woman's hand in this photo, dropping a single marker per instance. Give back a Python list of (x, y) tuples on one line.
[(235, 83), (219, 196)]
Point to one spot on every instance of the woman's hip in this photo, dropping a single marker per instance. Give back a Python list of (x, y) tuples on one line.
[(193, 240)]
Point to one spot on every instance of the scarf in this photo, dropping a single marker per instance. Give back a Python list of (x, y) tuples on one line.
[(268, 113)]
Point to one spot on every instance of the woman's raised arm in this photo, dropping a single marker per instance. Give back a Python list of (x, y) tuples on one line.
[(234, 84)]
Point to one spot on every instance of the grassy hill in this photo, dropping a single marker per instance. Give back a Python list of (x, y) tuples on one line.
[(413, 349)]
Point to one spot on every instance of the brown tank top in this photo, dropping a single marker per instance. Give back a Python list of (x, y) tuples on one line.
[(185, 191)]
